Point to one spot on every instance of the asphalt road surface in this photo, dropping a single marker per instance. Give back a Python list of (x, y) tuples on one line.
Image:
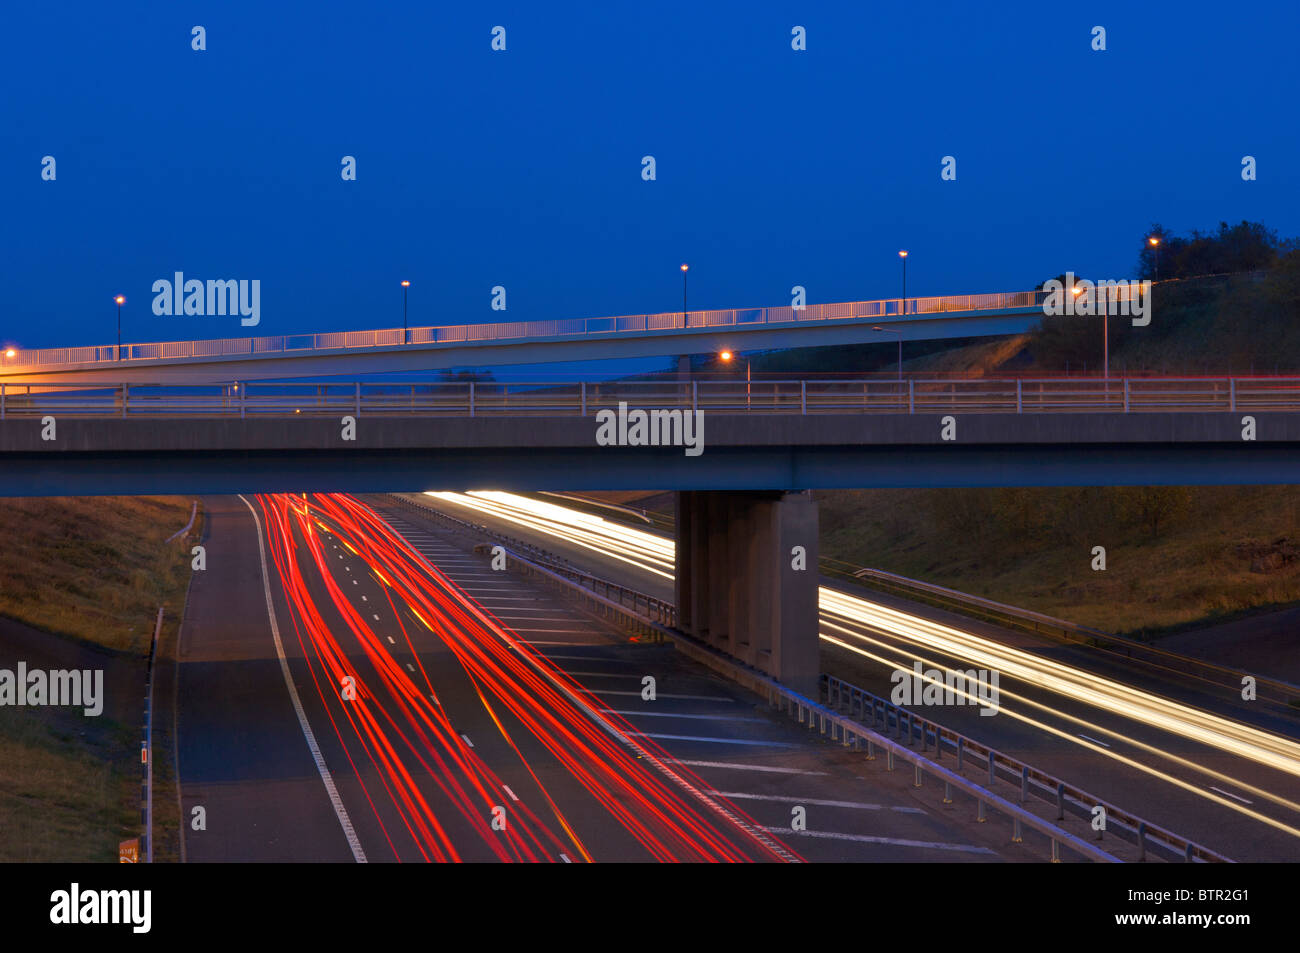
[(491, 720), (1191, 758)]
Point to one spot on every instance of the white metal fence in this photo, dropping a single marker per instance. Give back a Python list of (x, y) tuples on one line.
[(547, 398), (464, 333)]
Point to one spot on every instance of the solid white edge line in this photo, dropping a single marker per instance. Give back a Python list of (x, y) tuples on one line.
[(340, 811)]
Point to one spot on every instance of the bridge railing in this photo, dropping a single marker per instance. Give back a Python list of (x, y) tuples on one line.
[(577, 398), (510, 330)]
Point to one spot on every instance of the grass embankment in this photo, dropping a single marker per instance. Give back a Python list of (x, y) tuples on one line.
[(1214, 552), (68, 792), (93, 570)]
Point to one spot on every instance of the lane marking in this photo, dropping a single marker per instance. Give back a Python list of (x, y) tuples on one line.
[(467, 741), (376, 616), (716, 741), (1229, 794), (892, 841), (749, 767), (410, 667), (594, 645), (559, 631), (582, 658), (703, 698), (326, 778), (1094, 740), (512, 794), (536, 618), (565, 859), (364, 599), (392, 640), (860, 805), (669, 714)]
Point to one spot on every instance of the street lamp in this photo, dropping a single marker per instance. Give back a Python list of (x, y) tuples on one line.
[(685, 269), (1155, 243), (727, 357), (903, 255), (405, 285), (120, 300), (900, 346)]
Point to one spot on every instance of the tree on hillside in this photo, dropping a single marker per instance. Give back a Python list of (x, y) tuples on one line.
[(1248, 246)]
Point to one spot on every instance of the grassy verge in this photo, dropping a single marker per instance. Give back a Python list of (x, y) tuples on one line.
[(68, 792), (94, 568), (1221, 552)]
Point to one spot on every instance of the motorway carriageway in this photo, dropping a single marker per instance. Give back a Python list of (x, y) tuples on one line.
[(1223, 775), (492, 721)]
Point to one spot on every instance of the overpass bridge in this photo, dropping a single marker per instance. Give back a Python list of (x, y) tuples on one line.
[(747, 530), (768, 434), (395, 350)]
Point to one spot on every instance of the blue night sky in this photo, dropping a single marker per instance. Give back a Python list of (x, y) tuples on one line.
[(477, 168)]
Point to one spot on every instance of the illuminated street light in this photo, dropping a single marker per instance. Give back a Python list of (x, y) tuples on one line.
[(120, 300), (685, 269), (405, 285), (903, 255), (726, 357), (1155, 243)]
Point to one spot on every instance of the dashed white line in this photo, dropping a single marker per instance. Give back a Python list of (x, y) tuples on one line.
[(717, 741), (894, 841), (1094, 740), (748, 767), (704, 698), (1230, 794), (860, 805), (513, 796), (670, 714), (410, 667), (467, 741), (565, 859), (376, 616), (392, 640)]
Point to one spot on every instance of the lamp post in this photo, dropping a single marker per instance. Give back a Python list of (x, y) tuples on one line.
[(903, 307), (405, 286), (685, 269), (120, 300), (900, 346), (1155, 243)]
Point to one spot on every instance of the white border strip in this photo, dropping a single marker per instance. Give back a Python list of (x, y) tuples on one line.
[(340, 811)]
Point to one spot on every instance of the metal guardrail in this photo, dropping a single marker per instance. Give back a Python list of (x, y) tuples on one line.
[(1143, 834), (621, 601), (583, 399), (504, 331), (1268, 689), (815, 715)]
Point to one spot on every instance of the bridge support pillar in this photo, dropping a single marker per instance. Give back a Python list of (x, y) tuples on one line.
[(739, 586)]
